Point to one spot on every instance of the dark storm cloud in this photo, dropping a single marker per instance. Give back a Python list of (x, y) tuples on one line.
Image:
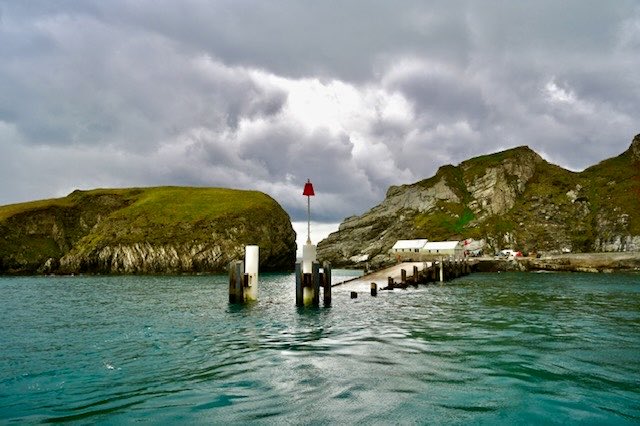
[(355, 95)]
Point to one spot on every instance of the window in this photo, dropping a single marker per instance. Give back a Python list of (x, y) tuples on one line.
[(416, 250)]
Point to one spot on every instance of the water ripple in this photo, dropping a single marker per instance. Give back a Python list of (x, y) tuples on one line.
[(508, 348)]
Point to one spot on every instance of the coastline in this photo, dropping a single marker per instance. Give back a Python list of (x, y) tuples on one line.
[(570, 262)]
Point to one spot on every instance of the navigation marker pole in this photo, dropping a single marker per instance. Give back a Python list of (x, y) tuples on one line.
[(308, 250), (308, 191)]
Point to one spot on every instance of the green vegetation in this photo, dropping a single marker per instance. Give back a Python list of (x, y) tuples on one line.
[(453, 176), (556, 208), (511, 199), (85, 222), (451, 221), (161, 206), (16, 209), (615, 183), (477, 166)]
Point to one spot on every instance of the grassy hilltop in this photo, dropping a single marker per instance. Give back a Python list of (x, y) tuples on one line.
[(144, 230)]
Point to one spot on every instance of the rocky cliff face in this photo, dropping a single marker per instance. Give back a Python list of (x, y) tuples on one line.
[(155, 230), (511, 199)]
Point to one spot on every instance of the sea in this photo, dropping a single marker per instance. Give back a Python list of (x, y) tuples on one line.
[(508, 348)]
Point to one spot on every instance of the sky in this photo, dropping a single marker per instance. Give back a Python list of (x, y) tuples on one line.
[(354, 95)]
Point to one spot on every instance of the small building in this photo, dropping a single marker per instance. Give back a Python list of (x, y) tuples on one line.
[(408, 246), (443, 248), (423, 249)]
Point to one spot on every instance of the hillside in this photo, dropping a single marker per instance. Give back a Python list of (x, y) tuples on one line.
[(512, 199), (144, 230)]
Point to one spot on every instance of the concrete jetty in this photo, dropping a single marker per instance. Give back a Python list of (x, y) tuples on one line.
[(406, 273)]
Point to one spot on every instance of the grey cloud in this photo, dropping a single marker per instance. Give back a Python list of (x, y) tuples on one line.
[(125, 93), (128, 89), (444, 96)]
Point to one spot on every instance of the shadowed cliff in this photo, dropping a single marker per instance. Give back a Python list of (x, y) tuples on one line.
[(144, 230)]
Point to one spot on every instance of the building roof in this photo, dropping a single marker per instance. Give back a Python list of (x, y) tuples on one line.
[(442, 245), (409, 244)]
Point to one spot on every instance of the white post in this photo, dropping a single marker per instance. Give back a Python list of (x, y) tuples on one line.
[(251, 262), (308, 220), (308, 257), (441, 269)]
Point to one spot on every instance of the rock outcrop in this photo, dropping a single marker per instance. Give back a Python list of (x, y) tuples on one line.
[(140, 231), (511, 199)]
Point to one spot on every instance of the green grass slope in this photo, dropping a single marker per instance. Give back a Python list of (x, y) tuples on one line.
[(86, 222)]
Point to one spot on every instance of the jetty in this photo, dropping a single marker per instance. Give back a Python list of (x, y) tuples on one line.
[(405, 274)]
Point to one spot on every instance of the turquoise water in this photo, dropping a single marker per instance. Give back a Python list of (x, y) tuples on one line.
[(487, 348)]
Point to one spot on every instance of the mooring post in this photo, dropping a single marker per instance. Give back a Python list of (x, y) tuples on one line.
[(390, 284), (251, 263), (374, 289), (299, 283), (326, 277), (315, 283), (236, 281), (416, 278), (403, 276), (441, 269)]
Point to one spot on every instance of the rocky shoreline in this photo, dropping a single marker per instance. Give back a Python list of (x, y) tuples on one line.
[(573, 262)]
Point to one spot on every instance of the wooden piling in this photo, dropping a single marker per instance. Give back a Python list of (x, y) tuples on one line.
[(315, 283), (326, 280), (236, 281), (299, 284), (374, 289), (354, 294), (403, 276)]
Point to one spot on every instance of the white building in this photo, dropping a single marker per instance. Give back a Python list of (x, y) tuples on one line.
[(443, 248), (408, 246), (423, 249)]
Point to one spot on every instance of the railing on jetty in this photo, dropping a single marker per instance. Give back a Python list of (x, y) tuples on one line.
[(404, 275), (444, 270)]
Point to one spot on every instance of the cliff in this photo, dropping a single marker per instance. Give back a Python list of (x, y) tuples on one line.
[(511, 199), (151, 230)]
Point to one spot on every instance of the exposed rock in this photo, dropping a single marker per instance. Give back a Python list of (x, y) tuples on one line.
[(511, 199), (634, 149), (496, 190), (156, 230)]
